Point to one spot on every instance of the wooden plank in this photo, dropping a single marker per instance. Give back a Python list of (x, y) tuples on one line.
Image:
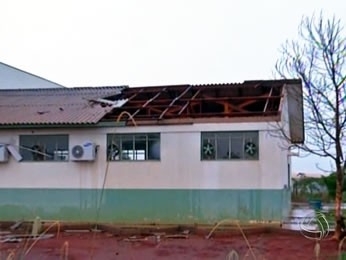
[(174, 100), (147, 103), (188, 102), (267, 102), (135, 95)]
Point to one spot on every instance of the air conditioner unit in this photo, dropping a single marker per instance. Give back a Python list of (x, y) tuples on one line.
[(83, 152), (3, 153)]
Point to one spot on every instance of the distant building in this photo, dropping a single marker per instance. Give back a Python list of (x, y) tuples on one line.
[(311, 186), (299, 175), (14, 78)]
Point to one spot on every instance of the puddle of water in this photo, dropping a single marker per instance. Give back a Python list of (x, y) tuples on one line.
[(299, 214)]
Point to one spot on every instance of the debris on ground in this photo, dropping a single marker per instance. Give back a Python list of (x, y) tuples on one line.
[(182, 235), (14, 238), (135, 239), (96, 230), (16, 225), (77, 230), (177, 236), (157, 236), (286, 245), (11, 240)]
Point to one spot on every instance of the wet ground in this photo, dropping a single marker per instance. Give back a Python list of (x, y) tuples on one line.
[(81, 246), (280, 244), (303, 212)]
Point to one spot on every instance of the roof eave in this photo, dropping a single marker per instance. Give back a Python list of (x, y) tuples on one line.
[(296, 112)]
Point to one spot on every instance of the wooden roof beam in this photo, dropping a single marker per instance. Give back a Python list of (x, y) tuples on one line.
[(174, 100), (135, 94), (147, 103), (189, 101), (267, 102)]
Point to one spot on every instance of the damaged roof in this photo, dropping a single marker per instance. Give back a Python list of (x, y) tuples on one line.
[(54, 106), (260, 100), (250, 101), (159, 104)]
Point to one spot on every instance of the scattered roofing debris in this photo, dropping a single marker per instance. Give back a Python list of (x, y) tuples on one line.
[(110, 103), (16, 238), (77, 230), (136, 239), (16, 225), (184, 234), (157, 236)]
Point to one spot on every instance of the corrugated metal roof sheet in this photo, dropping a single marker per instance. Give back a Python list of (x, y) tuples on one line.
[(54, 106)]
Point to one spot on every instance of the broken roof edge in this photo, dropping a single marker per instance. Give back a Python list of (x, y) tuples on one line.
[(295, 110), (282, 81)]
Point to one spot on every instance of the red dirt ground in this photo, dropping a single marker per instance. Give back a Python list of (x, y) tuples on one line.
[(104, 246)]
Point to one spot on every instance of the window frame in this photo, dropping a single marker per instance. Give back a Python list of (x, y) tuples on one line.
[(119, 138), (215, 136), (24, 149)]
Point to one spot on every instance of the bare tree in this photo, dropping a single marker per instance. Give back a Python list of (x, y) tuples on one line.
[(318, 58)]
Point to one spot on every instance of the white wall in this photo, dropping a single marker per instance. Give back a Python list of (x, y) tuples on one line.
[(284, 141), (180, 165)]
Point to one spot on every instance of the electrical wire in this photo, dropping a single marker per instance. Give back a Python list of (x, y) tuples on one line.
[(98, 209)]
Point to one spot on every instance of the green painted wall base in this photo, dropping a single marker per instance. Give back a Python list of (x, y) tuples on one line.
[(135, 206)]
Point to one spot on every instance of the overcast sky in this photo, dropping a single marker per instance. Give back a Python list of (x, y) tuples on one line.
[(153, 42)]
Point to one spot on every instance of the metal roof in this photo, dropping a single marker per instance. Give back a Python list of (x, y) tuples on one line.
[(71, 106)]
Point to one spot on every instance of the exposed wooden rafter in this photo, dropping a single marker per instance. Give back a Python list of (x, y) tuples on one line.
[(147, 103), (268, 97), (135, 94), (251, 99), (188, 102), (174, 100)]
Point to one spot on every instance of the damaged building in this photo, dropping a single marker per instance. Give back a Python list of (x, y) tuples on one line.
[(180, 154)]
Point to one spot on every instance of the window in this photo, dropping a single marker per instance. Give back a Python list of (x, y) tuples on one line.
[(229, 146), (135, 147), (44, 147)]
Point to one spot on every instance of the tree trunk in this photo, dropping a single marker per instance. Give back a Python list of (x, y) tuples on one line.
[(338, 202)]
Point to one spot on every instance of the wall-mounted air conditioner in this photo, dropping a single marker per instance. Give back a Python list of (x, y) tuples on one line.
[(3, 153), (83, 152)]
